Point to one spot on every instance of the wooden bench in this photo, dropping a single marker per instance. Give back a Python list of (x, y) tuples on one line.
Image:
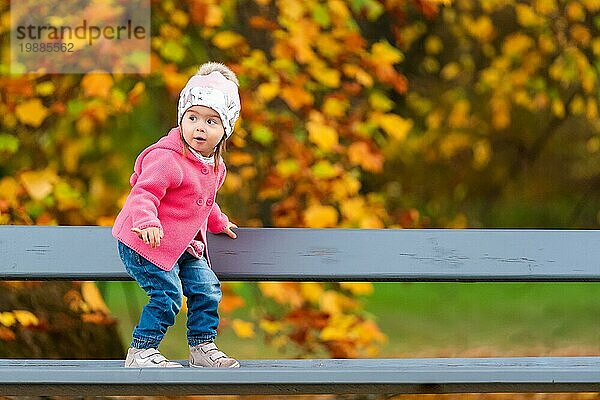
[(89, 253)]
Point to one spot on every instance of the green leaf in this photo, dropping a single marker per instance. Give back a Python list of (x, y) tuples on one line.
[(321, 15), (75, 107), (324, 170), (8, 143), (262, 134), (173, 51)]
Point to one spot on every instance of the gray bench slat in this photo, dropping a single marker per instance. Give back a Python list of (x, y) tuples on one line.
[(89, 253), (424, 375)]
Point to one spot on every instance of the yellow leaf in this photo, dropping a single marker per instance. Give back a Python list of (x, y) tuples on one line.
[(434, 45), (214, 16), (517, 44), (97, 84), (105, 221), (31, 112), (324, 170), (592, 5), (360, 75), (453, 143), (26, 318), (319, 216), (38, 184), (591, 111), (367, 332), (91, 295), (482, 151), (85, 125), (288, 167), (371, 222), (8, 190), (227, 39), (394, 125), (243, 329), (7, 319), (558, 108), (335, 107), (339, 9), (345, 188), (271, 327), (459, 116), (320, 134), (282, 292), (327, 76), (482, 28), (335, 303), (527, 16), (380, 102), (267, 91), (545, 6), (575, 12), (385, 53), (353, 208), (179, 18), (500, 113), (311, 291), (338, 327), (358, 288), (45, 88)]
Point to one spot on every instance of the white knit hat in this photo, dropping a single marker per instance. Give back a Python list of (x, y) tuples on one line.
[(215, 91)]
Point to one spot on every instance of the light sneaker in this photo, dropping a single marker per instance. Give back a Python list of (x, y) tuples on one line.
[(207, 355), (148, 358)]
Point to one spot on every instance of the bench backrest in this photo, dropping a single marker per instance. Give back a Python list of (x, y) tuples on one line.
[(90, 253)]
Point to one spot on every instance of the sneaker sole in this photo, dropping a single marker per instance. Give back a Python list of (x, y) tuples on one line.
[(236, 365)]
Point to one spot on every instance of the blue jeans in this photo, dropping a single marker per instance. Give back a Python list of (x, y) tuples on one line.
[(190, 277)]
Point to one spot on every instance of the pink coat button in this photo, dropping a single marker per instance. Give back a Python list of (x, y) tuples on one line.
[(204, 170), (200, 201), (209, 202)]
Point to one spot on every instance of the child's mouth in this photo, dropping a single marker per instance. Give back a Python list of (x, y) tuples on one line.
[(199, 139)]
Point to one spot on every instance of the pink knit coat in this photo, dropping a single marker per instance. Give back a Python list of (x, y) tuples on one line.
[(173, 192)]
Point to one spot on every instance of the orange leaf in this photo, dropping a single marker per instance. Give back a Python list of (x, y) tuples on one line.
[(227, 39), (6, 334), (319, 216), (231, 303), (296, 97), (97, 84), (359, 153), (31, 112), (243, 329)]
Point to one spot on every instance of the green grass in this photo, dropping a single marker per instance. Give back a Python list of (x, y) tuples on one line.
[(522, 317), (430, 319)]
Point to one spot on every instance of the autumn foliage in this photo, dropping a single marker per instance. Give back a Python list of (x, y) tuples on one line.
[(355, 114)]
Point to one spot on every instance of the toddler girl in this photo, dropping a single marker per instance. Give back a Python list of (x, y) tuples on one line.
[(161, 230)]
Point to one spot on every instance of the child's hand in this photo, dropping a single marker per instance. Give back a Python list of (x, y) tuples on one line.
[(150, 235), (228, 230)]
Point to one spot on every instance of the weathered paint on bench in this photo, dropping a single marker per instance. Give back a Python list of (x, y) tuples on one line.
[(89, 253), (422, 375)]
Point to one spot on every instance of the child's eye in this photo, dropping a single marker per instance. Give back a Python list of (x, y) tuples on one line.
[(212, 121), (193, 117)]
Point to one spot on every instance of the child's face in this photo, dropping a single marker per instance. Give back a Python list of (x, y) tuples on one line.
[(202, 129)]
